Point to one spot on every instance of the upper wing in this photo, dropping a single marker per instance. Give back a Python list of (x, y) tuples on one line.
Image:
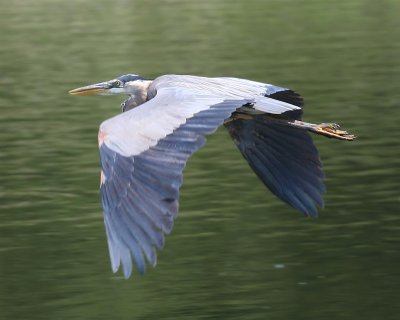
[(143, 153), (283, 157)]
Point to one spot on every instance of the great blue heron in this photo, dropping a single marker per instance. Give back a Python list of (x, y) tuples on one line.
[(144, 150)]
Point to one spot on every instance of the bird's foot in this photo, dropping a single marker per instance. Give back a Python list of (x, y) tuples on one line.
[(331, 130)]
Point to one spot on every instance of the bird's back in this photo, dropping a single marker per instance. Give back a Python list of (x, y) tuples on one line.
[(260, 95), (220, 86)]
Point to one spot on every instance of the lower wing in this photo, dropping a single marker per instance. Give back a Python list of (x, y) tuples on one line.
[(283, 157)]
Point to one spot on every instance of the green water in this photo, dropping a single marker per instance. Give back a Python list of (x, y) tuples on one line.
[(236, 252)]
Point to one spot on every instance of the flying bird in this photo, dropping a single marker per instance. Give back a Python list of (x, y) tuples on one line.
[(144, 150)]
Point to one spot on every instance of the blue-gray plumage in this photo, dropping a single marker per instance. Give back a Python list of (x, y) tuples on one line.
[(144, 150)]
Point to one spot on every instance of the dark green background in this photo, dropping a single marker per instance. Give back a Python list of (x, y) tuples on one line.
[(236, 252)]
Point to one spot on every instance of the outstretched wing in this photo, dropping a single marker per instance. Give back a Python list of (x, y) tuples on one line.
[(143, 153), (283, 157)]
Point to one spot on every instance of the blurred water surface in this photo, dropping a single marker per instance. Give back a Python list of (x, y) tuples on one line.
[(236, 252)]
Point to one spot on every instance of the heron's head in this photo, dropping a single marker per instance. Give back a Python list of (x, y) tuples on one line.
[(126, 84)]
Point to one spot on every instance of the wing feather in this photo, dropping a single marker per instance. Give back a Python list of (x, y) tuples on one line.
[(283, 157), (140, 189)]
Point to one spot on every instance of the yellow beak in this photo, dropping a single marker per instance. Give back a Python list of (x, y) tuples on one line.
[(98, 88)]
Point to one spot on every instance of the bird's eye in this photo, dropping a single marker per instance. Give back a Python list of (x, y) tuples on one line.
[(117, 83)]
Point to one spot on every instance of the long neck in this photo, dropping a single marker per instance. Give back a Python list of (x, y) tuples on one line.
[(138, 91)]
